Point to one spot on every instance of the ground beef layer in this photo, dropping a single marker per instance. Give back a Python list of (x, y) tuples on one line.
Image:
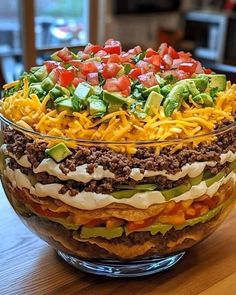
[(121, 164)]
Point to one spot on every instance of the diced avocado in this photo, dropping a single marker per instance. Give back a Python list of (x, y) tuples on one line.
[(174, 99), (32, 78), (176, 191), (215, 178), (139, 187), (217, 81), (192, 87), (153, 101), (147, 92), (114, 107), (82, 91), (201, 83), (47, 84), (58, 152), (41, 73), (37, 89), (34, 69), (124, 194), (97, 107), (55, 57), (71, 89), (58, 90), (204, 99), (64, 105), (114, 98), (96, 90), (196, 180), (160, 80), (93, 232), (165, 90), (232, 165)]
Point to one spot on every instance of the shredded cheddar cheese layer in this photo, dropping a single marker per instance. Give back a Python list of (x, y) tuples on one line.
[(29, 112)]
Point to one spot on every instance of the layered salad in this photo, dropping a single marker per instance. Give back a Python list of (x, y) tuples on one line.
[(113, 154)]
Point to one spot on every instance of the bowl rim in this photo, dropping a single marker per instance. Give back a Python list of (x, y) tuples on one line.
[(124, 143)]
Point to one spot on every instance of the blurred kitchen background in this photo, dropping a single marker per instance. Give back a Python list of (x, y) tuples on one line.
[(30, 30)]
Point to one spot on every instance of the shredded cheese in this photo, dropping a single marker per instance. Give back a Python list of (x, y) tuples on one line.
[(28, 111)]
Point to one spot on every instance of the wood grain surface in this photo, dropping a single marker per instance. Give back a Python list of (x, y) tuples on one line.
[(29, 266)]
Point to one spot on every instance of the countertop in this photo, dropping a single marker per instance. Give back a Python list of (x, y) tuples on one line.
[(29, 266)]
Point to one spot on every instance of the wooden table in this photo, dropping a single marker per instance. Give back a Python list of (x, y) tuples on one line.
[(29, 266)]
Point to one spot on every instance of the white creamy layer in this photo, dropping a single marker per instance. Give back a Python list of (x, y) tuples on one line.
[(91, 201), (51, 167)]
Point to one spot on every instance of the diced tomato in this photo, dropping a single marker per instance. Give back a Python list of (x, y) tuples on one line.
[(181, 75), (173, 73), (126, 57), (207, 71), (177, 62), (126, 92), (132, 226), (173, 53), (167, 61), (50, 65), (188, 67), (65, 54), (163, 49), (76, 63), (77, 80), (65, 77), (114, 58), (184, 55), (143, 65), (134, 73), (114, 222), (110, 70), (89, 67), (150, 52), (101, 53), (112, 46), (156, 60), (95, 222), (148, 79), (47, 213), (90, 48), (111, 85), (134, 51), (124, 83), (92, 79), (199, 68), (83, 55)]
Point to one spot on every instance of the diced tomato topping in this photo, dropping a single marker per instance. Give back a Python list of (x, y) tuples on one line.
[(92, 79), (181, 75), (76, 63), (77, 80), (150, 52), (114, 58), (90, 48), (188, 67), (163, 49), (110, 70), (134, 51), (148, 80), (124, 83), (50, 65), (134, 73), (111, 85), (89, 67), (83, 55), (156, 60), (65, 54), (126, 57), (112, 46), (101, 53), (167, 61), (207, 71), (199, 68), (184, 55), (65, 77), (173, 53)]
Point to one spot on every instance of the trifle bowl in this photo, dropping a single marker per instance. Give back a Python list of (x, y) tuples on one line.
[(121, 161)]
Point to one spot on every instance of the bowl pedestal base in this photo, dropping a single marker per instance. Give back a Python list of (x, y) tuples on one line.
[(112, 268)]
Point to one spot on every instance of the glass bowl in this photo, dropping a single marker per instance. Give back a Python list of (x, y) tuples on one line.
[(120, 208)]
